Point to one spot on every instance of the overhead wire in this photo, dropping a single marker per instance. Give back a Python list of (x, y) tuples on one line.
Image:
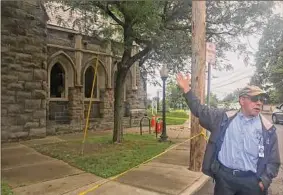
[(232, 82), (230, 76)]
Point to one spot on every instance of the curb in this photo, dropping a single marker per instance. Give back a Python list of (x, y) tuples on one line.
[(196, 186)]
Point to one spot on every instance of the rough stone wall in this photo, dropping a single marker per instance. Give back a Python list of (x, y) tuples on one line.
[(59, 112), (60, 38), (23, 69)]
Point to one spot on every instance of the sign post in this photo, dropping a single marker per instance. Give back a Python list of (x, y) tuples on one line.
[(210, 59)]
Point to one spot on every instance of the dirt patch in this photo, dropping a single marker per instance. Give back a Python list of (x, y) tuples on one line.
[(46, 140), (79, 136)]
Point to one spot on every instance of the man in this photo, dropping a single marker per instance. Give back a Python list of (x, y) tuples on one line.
[(242, 153)]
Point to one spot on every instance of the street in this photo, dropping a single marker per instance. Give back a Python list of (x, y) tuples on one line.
[(277, 184)]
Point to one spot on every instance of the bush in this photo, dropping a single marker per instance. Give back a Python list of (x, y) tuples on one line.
[(6, 189)]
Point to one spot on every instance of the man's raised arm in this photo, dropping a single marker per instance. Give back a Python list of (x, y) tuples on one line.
[(208, 117)]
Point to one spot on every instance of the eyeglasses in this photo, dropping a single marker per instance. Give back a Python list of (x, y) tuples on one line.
[(257, 98)]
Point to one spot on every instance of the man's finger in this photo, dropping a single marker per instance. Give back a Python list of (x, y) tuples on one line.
[(179, 76), (188, 76)]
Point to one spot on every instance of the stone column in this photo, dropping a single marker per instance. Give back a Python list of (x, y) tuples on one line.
[(107, 109), (76, 107), (108, 62), (137, 101), (134, 69), (78, 57)]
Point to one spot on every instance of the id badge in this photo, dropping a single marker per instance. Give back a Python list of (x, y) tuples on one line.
[(261, 151)]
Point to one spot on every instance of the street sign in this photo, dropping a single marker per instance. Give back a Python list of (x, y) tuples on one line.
[(210, 52)]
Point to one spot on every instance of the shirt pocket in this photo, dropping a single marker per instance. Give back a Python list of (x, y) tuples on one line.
[(251, 147)]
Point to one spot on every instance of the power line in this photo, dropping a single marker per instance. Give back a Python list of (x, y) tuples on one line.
[(231, 78), (236, 75), (231, 82)]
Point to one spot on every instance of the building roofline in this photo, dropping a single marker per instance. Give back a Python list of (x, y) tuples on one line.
[(59, 28)]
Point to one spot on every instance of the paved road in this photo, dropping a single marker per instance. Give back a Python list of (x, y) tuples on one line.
[(277, 185)]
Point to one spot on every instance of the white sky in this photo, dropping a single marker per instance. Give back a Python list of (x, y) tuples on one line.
[(226, 82)]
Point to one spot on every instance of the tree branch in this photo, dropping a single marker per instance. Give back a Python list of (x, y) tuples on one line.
[(113, 16), (137, 56), (141, 41), (210, 33), (142, 61), (106, 9), (178, 27)]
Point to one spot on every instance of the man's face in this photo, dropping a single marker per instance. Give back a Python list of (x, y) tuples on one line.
[(251, 105)]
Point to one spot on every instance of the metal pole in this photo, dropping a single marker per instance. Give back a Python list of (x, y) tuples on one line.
[(163, 136), (208, 83), (158, 100), (208, 89)]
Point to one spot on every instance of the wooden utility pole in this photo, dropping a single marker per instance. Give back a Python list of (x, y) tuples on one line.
[(198, 80)]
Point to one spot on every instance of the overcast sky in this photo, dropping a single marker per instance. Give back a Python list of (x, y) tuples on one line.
[(226, 82)]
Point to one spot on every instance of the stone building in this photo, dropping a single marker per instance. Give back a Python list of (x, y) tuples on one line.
[(47, 73)]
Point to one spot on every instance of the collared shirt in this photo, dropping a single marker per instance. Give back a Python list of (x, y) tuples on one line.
[(240, 148)]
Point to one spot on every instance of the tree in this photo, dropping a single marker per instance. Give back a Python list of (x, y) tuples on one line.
[(274, 97), (232, 96), (269, 58), (213, 100), (174, 95), (162, 31)]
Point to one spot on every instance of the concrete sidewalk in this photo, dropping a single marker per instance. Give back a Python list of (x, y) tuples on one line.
[(166, 174), (29, 172)]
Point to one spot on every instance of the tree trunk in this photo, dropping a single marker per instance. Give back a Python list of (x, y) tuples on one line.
[(118, 106)]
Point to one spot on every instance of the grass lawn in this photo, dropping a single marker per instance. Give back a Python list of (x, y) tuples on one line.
[(175, 121), (102, 157), (173, 117), (5, 189)]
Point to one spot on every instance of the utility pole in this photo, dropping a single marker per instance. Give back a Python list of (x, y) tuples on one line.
[(198, 79)]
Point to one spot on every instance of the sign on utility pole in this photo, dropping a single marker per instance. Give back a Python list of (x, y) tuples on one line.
[(198, 80), (210, 53)]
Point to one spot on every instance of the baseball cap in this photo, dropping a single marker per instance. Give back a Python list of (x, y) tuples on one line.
[(252, 90)]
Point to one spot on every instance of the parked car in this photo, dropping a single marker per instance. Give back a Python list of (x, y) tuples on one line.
[(277, 115)]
